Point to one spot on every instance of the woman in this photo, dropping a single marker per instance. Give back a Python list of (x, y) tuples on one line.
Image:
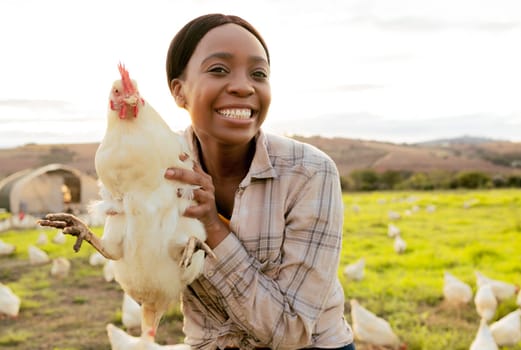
[(272, 207)]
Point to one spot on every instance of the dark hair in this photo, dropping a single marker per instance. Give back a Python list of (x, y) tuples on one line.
[(186, 40)]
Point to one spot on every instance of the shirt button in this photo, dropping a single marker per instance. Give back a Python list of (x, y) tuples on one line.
[(210, 273)]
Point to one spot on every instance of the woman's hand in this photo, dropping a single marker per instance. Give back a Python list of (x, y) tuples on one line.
[(206, 209)]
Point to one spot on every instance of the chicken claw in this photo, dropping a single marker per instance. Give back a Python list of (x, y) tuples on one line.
[(70, 225), (193, 245)]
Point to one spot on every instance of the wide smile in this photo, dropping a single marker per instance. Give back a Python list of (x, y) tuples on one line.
[(236, 113)]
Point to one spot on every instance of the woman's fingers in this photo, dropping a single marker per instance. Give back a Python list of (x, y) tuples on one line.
[(196, 177)]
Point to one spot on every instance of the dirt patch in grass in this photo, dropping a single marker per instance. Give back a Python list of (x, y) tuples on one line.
[(70, 313)]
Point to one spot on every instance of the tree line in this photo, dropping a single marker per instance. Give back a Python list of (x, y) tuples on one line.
[(371, 180)]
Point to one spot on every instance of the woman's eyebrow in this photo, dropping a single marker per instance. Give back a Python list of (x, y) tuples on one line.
[(227, 55)]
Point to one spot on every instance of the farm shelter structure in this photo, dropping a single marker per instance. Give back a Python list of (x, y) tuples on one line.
[(50, 188)]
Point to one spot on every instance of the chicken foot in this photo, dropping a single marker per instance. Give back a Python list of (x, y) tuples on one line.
[(191, 247), (73, 226)]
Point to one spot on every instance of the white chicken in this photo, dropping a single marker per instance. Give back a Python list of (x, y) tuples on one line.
[(108, 271), (96, 259), (483, 339), (130, 312), (455, 291), (9, 302), (37, 256), (393, 230), (154, 247), (507, 330), (59, 238), (120, 340), (42, 239), (369, 328), (6, 248), (486, 302), (399, 244), (60, 267), (502, 290), (355, 271)]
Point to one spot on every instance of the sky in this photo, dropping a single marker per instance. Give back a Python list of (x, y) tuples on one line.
[(386, 70)]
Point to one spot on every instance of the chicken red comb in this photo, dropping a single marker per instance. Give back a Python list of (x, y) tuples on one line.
[(128, 87)]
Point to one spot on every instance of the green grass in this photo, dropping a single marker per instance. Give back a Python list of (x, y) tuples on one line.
[(407, 289)]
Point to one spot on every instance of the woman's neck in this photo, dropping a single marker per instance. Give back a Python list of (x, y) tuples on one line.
[(226, 163)]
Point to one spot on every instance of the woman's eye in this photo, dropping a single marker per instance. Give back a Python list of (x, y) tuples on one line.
[(260, 74), (217, 69)]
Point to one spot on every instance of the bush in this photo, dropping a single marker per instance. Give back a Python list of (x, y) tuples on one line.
[(473, 180)]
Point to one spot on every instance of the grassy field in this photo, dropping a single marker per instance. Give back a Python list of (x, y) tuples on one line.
[(407, 289), (71, 313)]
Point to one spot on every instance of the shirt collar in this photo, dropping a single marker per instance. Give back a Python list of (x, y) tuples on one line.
[(261, 166)]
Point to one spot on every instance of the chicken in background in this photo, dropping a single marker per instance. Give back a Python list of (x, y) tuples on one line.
[(108, 271), (130, 312), (120, 340), (6, 248), (42, 239), (393, 230), (518, 300), (60, 267), (156, 250), (355, 271), (483, 339), (37, 256), (371, 329), (59, 238), (502, 290), (9, 302), (455, 291), (399, 244), (486, 302), (507, 330), (96, 259)]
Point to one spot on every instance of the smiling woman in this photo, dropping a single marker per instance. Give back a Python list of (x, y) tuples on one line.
[(271, 206)]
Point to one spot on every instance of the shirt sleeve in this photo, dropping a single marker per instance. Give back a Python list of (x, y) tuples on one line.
[(281, 310)]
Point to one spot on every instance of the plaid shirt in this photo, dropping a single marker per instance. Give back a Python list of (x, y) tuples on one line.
[(274, 283)]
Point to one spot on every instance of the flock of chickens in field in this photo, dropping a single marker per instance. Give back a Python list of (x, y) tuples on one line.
[(376, 331), (60, 268)]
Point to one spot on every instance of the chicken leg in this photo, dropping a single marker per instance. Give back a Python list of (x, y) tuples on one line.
[(73, 226)]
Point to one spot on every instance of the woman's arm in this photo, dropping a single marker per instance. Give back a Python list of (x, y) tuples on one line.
[(281, 310)]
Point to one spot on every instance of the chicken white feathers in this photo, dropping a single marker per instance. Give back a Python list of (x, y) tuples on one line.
[(502, 290), (145, 232), (37, 256), (455, 291), (9, 302), (483, 339), (60, 267), (370, 328), (485, 302), (507, 330), (130, 312), (6, 248), (120, 340), (355, 271), (399, 244)]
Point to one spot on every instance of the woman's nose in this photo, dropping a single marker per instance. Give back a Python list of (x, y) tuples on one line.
[(240, 85)]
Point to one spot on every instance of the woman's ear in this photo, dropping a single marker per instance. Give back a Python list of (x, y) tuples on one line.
[(176, 89)]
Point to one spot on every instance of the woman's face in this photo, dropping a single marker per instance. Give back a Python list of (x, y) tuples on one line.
[(225, 86)]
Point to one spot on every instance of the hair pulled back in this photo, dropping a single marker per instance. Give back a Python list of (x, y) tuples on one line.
[(186, 40)]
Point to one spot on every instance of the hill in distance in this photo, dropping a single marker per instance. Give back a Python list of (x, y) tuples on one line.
[(460, 154)]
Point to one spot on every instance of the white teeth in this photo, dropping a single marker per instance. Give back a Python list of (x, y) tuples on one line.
[(243, 113)]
